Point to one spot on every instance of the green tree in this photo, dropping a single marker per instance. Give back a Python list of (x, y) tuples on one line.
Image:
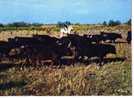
[(129, 22), (77, 23), (36, 24), (18, 24), (104, 23), (114, 23), (63, 24), (1, 25), (67, 23)]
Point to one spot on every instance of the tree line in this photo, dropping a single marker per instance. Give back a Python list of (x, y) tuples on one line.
[(61, 24), (114, 23), (20, 24)]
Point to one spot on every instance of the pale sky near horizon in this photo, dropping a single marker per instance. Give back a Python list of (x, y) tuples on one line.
[(76, 11)]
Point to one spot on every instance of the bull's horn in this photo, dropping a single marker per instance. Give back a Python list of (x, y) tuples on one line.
[(69, 45), (22, 46), (91, 36)]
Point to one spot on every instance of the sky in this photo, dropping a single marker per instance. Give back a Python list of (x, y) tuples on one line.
[(75, 11)]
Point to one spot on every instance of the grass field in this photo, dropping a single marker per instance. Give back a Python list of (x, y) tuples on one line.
[(114, 78)]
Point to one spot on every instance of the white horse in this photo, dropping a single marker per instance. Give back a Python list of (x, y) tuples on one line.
[(65, 31)]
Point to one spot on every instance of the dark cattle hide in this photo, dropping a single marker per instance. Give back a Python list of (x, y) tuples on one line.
[(19, 41), (39, 54), (94, 50), (93, 38), (68, 40), (129, 36), (42, 54), (4, 49), (46, 40), (3, 52), (19, 52), (111, 36), (3, 43), (41, 49)]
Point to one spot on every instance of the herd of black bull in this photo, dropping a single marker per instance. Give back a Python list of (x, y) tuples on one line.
[(43, 49)]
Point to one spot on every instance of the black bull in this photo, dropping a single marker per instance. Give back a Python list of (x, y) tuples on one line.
[(110, 36), (47, 54), (93, 50), (41, 50)]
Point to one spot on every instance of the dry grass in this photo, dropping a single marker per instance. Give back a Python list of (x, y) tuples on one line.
[(54, 31), (111, 79)]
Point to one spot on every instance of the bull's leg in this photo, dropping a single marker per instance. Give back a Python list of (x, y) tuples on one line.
[(113, 40), (28, 61), (82, 58), (73, 61), (101, 61), (103, 41), (52, 63), (38, 62), (129, 41), (97, 42), (59, 62), (10, 59), (55, 62)]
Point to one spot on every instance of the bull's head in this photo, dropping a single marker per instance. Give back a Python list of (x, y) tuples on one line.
[(14, 51)]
